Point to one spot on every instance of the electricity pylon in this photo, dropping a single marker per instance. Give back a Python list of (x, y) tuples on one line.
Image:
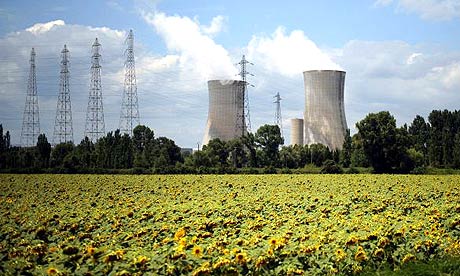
[(129, 117), (95, 126), (278, 119), (63, 129), (31, 120), (244, 119)]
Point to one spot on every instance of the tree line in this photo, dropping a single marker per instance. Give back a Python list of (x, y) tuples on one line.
[(378, 144)]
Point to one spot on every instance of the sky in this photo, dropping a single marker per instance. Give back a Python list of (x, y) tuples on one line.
[(401, 56)]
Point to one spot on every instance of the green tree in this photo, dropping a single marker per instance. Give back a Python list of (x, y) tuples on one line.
[(4, 147), (358, 156), (268, 138), (198, 159), (384, 145), (59, 153), (85, 153), (288, 159), (345, 154), (217, 152), (143, 144), (456, 151), (236, 152), (249, 143), (319, 153), (419, 132), (44, 150), (166, 153)]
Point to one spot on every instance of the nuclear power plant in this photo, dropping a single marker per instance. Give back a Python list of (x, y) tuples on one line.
[(297, 131), (324, 117), (226, 110)]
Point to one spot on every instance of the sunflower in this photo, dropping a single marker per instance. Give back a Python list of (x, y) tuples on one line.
[(90, 250), (379, 253), (352, 240), (221, 263), (340, 254), (408, 258), (383, 242), (179, 234), (273, 242), (360, 255), (197, 251), (52, 271), (261, 261), (240, 258)]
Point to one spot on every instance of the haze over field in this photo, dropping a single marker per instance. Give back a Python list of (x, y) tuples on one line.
[(400, 55)]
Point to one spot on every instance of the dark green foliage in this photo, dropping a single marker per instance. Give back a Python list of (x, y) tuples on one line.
[(444, 126), (59, 152), (217, 152), (384, 145), (358, 156), (430, 146), (319, 153), (143, 143), (165, 153), (44, 150), (448, 266), (345, 155), (4, 147), (419, 132), (330, 167), (268, 139)]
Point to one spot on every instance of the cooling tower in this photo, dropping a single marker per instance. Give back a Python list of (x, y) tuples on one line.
[(297, 132), (226, 110), (324, 117)]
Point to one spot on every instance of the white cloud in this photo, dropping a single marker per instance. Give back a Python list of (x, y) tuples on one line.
[(215, 27), (41, 28), (197, 51), (427, 9), (413, 58), (288, 54), (48, 40), (399, 77)]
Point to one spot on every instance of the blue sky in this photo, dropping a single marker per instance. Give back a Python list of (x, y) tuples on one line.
[(400, 55)]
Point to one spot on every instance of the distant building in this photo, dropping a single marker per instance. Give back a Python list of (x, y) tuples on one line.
[(186, 151), (226, 110), (324, 118)]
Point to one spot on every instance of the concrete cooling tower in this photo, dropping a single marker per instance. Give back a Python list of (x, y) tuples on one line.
[(297, 132), (324, 117), (226, 107)]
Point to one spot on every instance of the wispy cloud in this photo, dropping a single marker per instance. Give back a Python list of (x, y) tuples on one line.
[(426, 9)]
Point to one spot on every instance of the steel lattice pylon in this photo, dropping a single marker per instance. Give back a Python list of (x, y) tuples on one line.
[(129, 117), (244, 120), (63, 130), (278, 119), (95, 126), (31, 120)]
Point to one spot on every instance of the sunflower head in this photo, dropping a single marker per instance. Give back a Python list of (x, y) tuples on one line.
[(240, 258), (360, 255), (197, 251), (52, 271)]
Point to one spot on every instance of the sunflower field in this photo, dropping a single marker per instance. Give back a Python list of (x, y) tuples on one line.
[(225, 224)]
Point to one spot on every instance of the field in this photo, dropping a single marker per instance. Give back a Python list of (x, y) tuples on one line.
[(225, 224)]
